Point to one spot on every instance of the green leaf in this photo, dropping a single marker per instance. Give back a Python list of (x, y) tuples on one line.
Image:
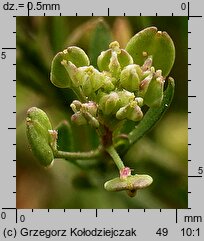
[(59, 75), (156, 43), (58, 35), (65, 137), (100, 40), (152, 116)]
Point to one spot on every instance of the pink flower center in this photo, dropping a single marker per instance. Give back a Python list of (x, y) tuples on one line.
[(125, 172)]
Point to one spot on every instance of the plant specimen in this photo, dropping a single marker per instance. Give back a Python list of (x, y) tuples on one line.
[(126, 83)]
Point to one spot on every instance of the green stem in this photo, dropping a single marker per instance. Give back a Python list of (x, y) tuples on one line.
[(116, 158), (78, 155)]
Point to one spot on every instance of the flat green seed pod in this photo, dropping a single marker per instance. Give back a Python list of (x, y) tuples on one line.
[(131, 183), (59, 75), (151, 42), (39, 116), (37, 127)]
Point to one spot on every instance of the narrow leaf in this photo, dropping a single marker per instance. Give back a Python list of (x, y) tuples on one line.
[(64, 140), (100, 40), (57, 33)]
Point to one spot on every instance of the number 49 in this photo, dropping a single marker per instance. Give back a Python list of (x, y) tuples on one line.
[(162, 232)]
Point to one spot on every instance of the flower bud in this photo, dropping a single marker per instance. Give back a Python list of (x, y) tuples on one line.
[(147, 64), (76, 105), (38, 127), (131, 184), (125, 97), (123, 57), (59, 75), (139, 101), (131, 111), (87, 86), (144, 84), (154, 94), (87, 76), (114, 65), (147, 74), (90, 107), (109, 103), (78, 118), (129, 78), (158, 73), (108, 83), (72, 71), (134, 113), (91, 79), (122, 113), (91, 120)]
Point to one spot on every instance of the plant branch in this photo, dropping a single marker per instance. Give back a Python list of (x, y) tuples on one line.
[(70, 156)]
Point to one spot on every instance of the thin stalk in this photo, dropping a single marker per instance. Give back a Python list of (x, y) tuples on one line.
[(70, 156), (116, 158)]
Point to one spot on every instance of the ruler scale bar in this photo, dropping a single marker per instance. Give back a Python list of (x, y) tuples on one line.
[(9, 48)]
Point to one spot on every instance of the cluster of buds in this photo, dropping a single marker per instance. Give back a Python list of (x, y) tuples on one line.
[(119, 88)]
